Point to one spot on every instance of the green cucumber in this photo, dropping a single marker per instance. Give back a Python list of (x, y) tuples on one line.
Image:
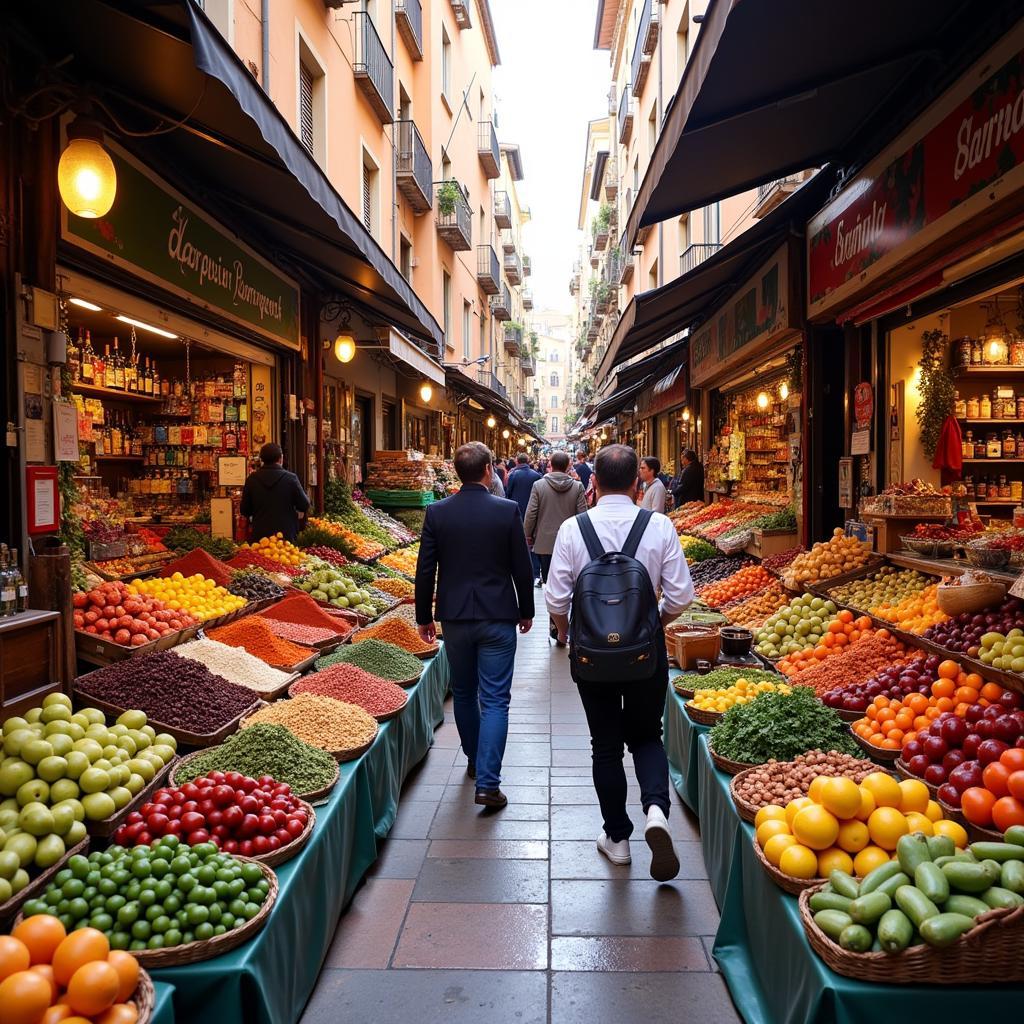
[(844, 884), (890, 885), (966, 855), (868, 909), (912, 850), (832, 922), (1000, 899), (829, 901), (915, 904), (999, 852), (1012, 876), (940, 846), (939, 861), (944, 929), (969, 906), (968, 878), (855, 938), (894, 931), (932, 882), (873, 879), (1014, 834)]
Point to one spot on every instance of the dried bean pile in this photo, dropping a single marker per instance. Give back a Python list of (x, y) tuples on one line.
[(198, 561), (265, 750), (778, 562), (778, 782), (254, 635), (714, 569), (321, 722), (254, 585), (301, 634), (303, 611), (374, 695), (234, 664), (171, 690), (395, 586), (394, 631), (384, 660)]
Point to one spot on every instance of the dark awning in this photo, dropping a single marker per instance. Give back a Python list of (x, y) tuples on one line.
[(652, 365), (489, 399), (623, 397), (235, 149), (774, 88)]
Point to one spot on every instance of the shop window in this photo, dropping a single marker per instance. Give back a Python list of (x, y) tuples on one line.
[(405, 258), (371, 194), (466, 340), (713, 224), (554, 380), (312, 105), (446, 65), (446, 307)]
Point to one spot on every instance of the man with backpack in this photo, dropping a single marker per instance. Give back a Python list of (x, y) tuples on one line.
[(607, 565)]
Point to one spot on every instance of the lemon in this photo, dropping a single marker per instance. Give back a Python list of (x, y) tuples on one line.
[(815, 827), (840, 796), (775, 846), (867, 804), (853, 836), (770, 812), (933, 812), (814, 789), (915, 796), (767, 829), (868, 859), (835, 858), (798, 861), (886, 825)]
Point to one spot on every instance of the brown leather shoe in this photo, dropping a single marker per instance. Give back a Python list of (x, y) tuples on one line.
[(491, 798)]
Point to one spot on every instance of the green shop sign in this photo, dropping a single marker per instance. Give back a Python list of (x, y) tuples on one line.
[(155, 233)]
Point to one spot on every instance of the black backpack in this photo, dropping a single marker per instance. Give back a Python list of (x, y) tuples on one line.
[(615, 630)]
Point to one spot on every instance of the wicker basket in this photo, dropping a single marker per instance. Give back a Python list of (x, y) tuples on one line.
[(794, 886), (975, 833), (746, 810), (684, 691), (877, 754), (724, 764), (905, 773), (380, 718), (971, 598), (849, 716), (144, 998), (311, 797), (107, 826), (292, 849), (699, 717), (9, 908), (992, 951)]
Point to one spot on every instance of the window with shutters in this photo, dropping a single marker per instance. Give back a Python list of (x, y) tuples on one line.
[(554, 380), (466, 321), (371, 194), (446, 302), (554, 424), (306, 107), (311, 108), (405, 258), (554, 401)]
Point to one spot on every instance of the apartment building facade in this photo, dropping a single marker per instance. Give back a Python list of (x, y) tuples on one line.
[(554, 380)]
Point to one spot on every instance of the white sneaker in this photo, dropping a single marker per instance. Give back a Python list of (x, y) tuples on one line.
[(664, 862), (616, 852)]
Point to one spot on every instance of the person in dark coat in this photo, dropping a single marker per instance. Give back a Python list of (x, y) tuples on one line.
[(474, 547), (689, 485), (582, 468), (273, 499), (520, 483)]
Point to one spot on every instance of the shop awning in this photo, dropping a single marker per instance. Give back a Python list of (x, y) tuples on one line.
[(234, 149), (652, 365), (621, 399), (775, 88), (489, 400)]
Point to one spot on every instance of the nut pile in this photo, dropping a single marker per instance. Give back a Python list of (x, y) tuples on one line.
[(778, 782), (322, 722), (234, 664), (375, 696), (254, 585)]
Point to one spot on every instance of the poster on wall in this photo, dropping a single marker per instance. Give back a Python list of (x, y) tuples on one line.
[(846, 483), (65, 432)]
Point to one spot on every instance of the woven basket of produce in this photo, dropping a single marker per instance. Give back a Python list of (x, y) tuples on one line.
[(878, 754), (699, 717), (684, 691), (724, 764), (10, 907), (292, 849), (794, 886), (990, 952), (975, 833), (968, 598), (905, 773), (322, 722), (144, 998)]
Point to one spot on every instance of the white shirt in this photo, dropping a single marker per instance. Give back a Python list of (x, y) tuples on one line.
[(613, 517), (654, 496)]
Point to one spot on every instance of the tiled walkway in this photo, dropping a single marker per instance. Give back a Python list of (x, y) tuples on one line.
[(513, 916)]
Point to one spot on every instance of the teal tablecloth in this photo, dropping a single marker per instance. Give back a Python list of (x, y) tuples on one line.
[(773, 975), (163, 1009), (269, 980)]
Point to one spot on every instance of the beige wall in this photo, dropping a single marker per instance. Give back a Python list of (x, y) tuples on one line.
[(554, 342)]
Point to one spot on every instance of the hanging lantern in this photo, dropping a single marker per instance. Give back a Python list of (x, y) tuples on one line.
[(763, 401), (426, 391), (491, 422), (994, 341), (784, 390), (86, 178), (505, 434), (686, 415), (344, 348)]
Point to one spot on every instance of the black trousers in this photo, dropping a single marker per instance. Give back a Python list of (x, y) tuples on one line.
[(630, 716), (545, 566)]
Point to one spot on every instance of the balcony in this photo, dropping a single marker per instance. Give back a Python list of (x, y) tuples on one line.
[(650, 37), (373, 70), (527, 266), (513, 267), (527, 300), (528, 366), (627, 264), (627, 108), (600, 236), (611, 180), (460, 8), (641, 55), (487, 149), (774, 193), (508, 241), (409, 20), (502, 210), (695, 255), (595, 257), (488, 270), (593, 328), (454, 217), (529, 408), (612, 270), (513, 339), (574, 283), (501, 304), (491, 381), (415, 171), (613, 101)]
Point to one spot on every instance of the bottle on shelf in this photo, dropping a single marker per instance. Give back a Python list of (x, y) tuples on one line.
[(985, 407), (973, 408), (73, 356), (959, 406), (8, 587), (109, 373), (1009, 445), (86, 360), (967, 445), (131, 374), (119, 379), (19, 582), (994, 447)]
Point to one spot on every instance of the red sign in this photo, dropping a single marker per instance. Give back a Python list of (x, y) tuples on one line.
[(863, 404), (42, 499), (960, 151)]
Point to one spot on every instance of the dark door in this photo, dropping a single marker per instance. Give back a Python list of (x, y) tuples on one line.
[(362, 429), (389, 416)]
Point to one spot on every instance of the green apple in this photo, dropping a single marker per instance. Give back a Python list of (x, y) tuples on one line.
[(99, 806), (132, 719), (94, 715), (63, 789), (33, 715), (62, 744), (94, 780), (143, 767), (49, 851), (35, 750), (119, 729), (140, 738), (89, 747), (13, 775), (14, 741), (19, 881), (135, 784), (76, 833), (55, 713), (63, 817), (9, 863), (33, 791), (77, 761), (128, 745), (122, 796), (13, 724), (36, 819), (24, 845), (52, 768), (163, 751), (57, 698)]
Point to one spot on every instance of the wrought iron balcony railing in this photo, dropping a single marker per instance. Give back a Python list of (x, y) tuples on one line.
[(415, 171), (372, 68)]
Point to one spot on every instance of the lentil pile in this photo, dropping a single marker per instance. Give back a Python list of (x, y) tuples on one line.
[(234, 664), (265, 749), (301, 634), (254, 585), (384, 660), (395, 586), (374, 695), (172, 691), (778, 782), (198, 561), (303, 611), (322, 722), (395, 631), (254, 635)]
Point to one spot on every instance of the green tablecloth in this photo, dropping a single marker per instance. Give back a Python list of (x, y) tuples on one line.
[(269, 979), (773, 975), (163, 1009)]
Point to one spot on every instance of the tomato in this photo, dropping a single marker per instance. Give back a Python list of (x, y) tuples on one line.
[(976, 804), (1007, 811), (995, 777), (1013, 759), (1015, 783)]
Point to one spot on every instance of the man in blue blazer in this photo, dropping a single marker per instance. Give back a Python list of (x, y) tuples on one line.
[(520, 484), (474, 547)]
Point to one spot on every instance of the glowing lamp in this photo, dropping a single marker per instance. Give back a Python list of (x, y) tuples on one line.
[(763, 400), (344, 348), (491, 422), (505, 434), (686, 415), (426, 391), (86, 178), (783, 391)]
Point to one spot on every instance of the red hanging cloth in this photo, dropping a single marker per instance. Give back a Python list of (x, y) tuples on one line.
[(949, 452)]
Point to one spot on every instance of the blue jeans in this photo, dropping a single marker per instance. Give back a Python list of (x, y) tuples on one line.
[(535, 562), (481, 656)]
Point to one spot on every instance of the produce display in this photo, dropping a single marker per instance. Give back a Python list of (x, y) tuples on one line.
[(963, 633), (718, 568), (915, 676), (277, 549), (886, 587), (381, 659), (334, 535), (199, 563), (183, 539), (403, 561), (695, 549), (332, 586), (736, 587), (201, 892), (254, 585), (839, 554), (843, 631), (916, 612), (265, 749), (743, 691), (394, 586), (303, 611), (346, 682), (300, 634), (777, 563), (235, 812), (999, 801), (722, 677), (779, 782), (913, 498), (250, 558), (852, 829), (176, 692), (253, 634), (397, 632), (233, 664), (755, 610), (322, 722), (117, 568), (362, 518), (198, 596), (798, 625), (779, 725), (330, 555), (932, 893), (855, 664), (398, 532), (47, 975), (114, 612)]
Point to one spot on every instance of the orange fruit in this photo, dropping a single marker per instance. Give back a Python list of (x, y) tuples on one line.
[(24, 997), (119, 1013), (798, 861), (853, 836), (944, 686), (917, 822), (46, 971), (884, 788), (886, 825), (815, 827), (835, 858), (867, 804), (93, 988), (795, 806), (915, 796), (933, 812), (954, 830), (41, 934), (79, 948), (770, 812), (840, 796), (14, 956), (127, 968), (56, 1014), (770, 828), (775, 845), (991, 691), (868, 859)]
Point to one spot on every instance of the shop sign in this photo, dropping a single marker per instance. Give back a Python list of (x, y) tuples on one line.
[(863, 404), (964, 153), (755, 316), (155, 233), (667, 393)]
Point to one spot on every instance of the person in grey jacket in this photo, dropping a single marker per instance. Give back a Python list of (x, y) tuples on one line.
[(554, 498)]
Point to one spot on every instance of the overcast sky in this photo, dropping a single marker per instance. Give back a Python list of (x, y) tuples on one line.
[(550, 83)]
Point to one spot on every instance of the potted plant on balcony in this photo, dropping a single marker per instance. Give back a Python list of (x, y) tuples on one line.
[(448, 194)]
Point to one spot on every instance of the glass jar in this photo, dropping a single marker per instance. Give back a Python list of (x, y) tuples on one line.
[(970, 491), (1004, 486), (1020, 407), (974, 408), (1009, 445), (962, 352), (967, 445), (980, 448), (985, 407), (993, 447), (1016, 349), (981, 489), (977, 352), (959, 406)]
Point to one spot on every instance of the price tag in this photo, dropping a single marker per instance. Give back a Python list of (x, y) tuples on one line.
[(1017, 590)]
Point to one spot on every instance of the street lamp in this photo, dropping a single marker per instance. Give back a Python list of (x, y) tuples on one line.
[(505, 434), (426, 391), (763, 400), (86, 178), (344, 348), (491, 422)]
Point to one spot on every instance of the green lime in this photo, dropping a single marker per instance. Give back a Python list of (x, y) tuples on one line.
[(228, 921), (128, 914), (101, 922), (204, 931), (162, 924), (141, 930), (120, 940), (172, 937), (78, 908), (198, 914), (74, 887)]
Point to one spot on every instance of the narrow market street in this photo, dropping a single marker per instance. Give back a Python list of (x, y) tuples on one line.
[(513, 916)]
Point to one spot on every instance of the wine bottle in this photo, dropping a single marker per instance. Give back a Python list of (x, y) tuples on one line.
[(88, 359)]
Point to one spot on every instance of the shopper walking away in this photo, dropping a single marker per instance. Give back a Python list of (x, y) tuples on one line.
[(689, 485), (655, 494), (520, 483), (496, 486), (273, 499), (473, 546), (623, 710), (582, 468)]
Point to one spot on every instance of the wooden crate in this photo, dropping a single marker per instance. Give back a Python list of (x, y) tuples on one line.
[(764, 543)]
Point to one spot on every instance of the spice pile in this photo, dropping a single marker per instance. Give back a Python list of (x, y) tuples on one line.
[(323, 722), (265, 749), (855, 664), (384, 660), (394, 586), (233, 664), (303, 611), (198, 562), (254, 635), (247, 558), (778, 782), (344, 682), (301, 634), (254, 585), (394, 631), (172, 691)]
